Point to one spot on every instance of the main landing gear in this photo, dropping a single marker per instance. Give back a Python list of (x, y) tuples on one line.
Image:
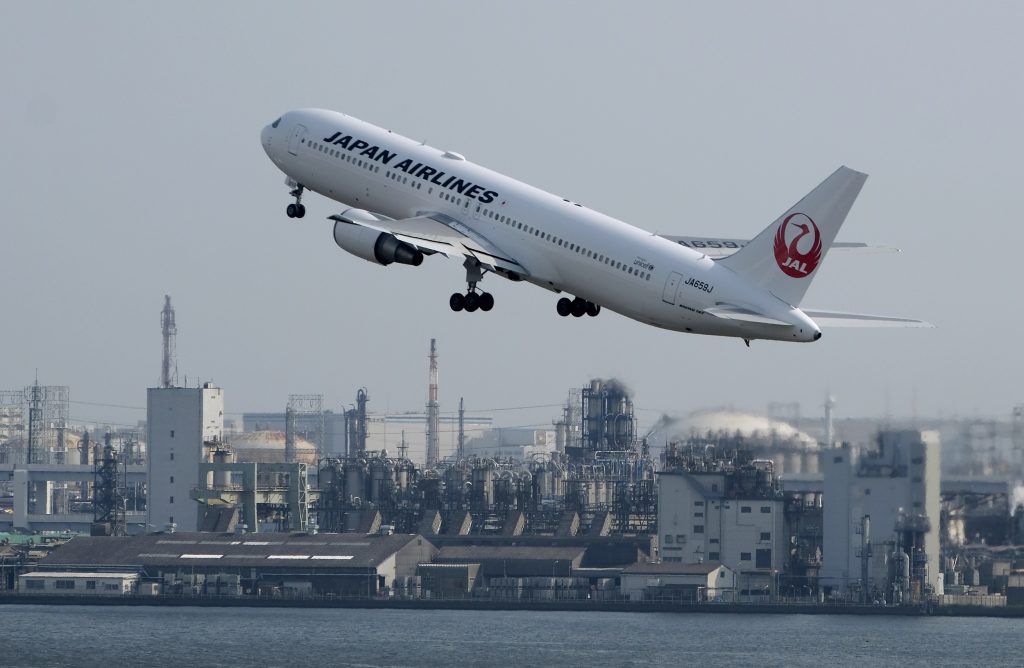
[(472, 300), (296, 210), (577, 307)]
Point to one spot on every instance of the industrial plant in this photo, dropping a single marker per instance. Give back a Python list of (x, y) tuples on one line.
[(713, 506)]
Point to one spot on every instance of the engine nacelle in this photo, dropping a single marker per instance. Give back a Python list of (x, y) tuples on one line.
[(377, 247)]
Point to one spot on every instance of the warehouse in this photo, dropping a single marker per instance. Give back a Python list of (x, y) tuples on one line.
[(265, 564)]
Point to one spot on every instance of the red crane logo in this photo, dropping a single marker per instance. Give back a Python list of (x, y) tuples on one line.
[(791, 260)]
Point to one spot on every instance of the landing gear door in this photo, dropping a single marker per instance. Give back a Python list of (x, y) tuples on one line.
[(297, 134), (668, 295)]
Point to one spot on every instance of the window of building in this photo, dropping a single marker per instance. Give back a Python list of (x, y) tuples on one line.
[(713, 541), (917, 460), (766, 535), (916, 478), (698, 528), (714, 487), (764, 559), (172, 433), (64, 584), (713, 556), (172, 480), (90, 584), (680, 537), (668, 539), (34, 584), (766, 509), (172, 499), (744, 556), (698, 503), (673, 559), (698, 514), (744, 509), (171, 519), (837, 460), (867, 491), (111, 587)]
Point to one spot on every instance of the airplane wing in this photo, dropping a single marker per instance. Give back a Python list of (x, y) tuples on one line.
[(837, 319), (440, 233), (719, 247)]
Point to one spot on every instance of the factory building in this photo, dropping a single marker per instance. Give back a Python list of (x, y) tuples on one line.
[(728, 511), (518, 443), (881, 518), (78, 584), (233, 564), (681, 582), (182, 425)]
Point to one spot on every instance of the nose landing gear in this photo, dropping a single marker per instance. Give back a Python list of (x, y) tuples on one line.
[(297, 209)]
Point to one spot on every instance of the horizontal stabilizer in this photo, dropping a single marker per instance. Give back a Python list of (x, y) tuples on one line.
[(718, 247), (741, 313), (836, 319)]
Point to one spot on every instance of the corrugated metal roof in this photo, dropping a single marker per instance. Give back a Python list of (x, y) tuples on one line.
[(672, 568), (251, 550), (490, 552)]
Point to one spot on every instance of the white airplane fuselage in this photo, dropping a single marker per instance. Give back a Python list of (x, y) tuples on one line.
[(564, 246)]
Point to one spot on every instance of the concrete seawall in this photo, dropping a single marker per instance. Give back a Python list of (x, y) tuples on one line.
[(471, 604)]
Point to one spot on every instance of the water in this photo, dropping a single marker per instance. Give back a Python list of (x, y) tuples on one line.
[(116, 637)]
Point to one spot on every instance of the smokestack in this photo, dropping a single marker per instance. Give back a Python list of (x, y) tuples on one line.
[(433, 410), (830, 403), (169, 370)]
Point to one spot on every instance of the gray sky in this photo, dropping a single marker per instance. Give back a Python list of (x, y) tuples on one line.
[(131, 167)]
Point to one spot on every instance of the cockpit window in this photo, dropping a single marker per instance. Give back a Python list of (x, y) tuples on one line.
[(274, 124)]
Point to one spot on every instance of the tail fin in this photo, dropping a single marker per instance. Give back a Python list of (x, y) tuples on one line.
[(784, 257)]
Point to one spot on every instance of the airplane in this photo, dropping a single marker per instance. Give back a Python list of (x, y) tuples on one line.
[(406, 201)]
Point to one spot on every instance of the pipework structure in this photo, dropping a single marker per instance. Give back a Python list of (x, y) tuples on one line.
[(108, 497)]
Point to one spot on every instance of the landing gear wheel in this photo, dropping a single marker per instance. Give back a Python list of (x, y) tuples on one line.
[(593, 309), (292, 210), (457, 302), (564, 306), (579, 308), (486, 301), (300, 210), (471, 302)]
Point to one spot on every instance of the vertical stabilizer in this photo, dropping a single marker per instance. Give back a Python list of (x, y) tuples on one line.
[(785, 256)]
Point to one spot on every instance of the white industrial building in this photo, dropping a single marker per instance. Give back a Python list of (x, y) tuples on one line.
[(880, 509), (179, 421), (683, 582), (78, 584), (519, 443), (732, 517)]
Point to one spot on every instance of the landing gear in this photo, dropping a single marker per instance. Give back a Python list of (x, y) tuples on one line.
[(297, 209), (577, 308), (472, 300)]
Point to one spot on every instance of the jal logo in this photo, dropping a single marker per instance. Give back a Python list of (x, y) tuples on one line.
[(798, 245)]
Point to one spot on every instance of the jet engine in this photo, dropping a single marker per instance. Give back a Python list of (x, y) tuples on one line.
[(369, 244)]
